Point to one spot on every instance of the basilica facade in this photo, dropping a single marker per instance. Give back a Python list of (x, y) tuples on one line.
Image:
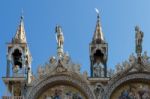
[(61, 78)]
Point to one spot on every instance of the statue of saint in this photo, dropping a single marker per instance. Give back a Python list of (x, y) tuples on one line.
[(139, 39), (98, 72), (59, 37)]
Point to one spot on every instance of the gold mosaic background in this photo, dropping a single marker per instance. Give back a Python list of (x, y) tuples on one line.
[(62, 92)]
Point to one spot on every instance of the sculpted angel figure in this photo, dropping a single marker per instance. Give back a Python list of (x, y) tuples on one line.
[(52, 60), (145, 57), (118, 68), (40, 71), (132, 59), (126, 64)]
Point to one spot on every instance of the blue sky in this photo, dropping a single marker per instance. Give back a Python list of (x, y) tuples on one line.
[(78, 20)]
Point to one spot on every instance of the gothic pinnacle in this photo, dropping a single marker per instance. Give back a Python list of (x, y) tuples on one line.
[(98, 35), (20, 36)]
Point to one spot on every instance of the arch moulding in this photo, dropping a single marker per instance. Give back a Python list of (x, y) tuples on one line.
[(48, 81), (115, 83)]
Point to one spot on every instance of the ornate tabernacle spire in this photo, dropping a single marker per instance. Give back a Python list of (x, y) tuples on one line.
[(19, 56), (98, 35), (60, 40), (98, 52), (18, 69), (20, 36)]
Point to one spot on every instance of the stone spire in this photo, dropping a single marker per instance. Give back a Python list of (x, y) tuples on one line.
[(98, 35), (20, 36)]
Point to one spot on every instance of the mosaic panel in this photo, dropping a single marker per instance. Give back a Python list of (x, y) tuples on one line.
[(132, 91), (62, 92)]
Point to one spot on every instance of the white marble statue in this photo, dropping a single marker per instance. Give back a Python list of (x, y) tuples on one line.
[(97, 70), (60, 37)]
